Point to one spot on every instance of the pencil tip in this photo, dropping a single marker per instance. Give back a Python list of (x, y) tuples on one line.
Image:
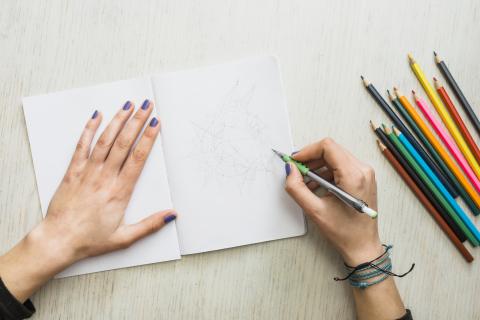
[(381, 145), (390, 96), (413, 92), (435, 79), (373, 125), (365, 81), (410, 58), (435, 53), (397, 132)]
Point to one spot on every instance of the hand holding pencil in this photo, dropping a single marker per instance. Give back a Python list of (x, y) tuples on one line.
[(354, 235)]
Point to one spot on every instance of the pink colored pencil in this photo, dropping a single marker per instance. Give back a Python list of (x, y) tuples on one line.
[(447, 140)]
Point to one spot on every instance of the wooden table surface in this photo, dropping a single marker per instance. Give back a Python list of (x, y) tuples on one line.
[(323, 47)]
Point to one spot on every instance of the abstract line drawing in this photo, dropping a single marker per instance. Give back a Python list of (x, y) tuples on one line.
[(232, 145)]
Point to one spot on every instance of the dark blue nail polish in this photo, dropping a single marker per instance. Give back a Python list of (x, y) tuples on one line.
[(287, 169), (127, 105), (95, 114), (145, 104), (169, 218), (153, 122)]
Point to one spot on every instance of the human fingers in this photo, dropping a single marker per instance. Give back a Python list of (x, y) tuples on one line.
[(128, 135), (106, 140)]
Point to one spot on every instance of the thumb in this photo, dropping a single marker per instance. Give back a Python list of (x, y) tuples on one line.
[(298, 190), (129, 234)]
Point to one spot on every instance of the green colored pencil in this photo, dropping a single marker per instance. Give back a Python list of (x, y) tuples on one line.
[(436, 157), (431, 186)]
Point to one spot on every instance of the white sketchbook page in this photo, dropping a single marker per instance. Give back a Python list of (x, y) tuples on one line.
[(55, 122), (218, 127)]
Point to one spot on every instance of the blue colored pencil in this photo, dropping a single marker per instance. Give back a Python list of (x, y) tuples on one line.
[(461, 214)]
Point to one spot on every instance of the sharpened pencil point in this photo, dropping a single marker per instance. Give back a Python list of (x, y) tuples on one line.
[(397, 92), (373, 125), (435, 53), (386, 129), (365, 81), (381, 145), (410, 58), (396, 131), (414, 95), (390, 96)]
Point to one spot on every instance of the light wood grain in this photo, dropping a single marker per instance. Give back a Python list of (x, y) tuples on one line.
[(323, 47)]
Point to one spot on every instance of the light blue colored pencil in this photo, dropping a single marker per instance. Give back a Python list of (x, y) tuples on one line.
[(458, 210)]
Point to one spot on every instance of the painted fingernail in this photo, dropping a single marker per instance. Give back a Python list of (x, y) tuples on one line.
[(127, 105), (287, 169), (153, 122), (294, 152), (95, 114), (169, 218), (145, 104)]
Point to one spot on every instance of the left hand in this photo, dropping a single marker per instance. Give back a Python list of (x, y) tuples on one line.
[(85, 216)]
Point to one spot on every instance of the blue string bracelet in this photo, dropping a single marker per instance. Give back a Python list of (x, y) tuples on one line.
[(372, 272)]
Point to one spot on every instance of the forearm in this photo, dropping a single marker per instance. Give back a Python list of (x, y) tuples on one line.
[(380, 301), (32, 262)]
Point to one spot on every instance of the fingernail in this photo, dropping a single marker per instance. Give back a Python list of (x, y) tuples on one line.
[(145, 104), (153, 122), (294, 152), (95, 114), (287, 168), (127, 105), (169, 218)]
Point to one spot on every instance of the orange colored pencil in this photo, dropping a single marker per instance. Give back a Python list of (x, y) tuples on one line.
[(438, 147), (456, 117)]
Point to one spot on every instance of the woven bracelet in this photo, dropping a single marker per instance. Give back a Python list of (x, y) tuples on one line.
[(372, 272)]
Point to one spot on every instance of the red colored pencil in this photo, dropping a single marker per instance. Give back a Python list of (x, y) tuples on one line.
[(456, 117)]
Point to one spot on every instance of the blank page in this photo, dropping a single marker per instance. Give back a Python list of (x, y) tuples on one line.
[(55, 122), (218, 127)]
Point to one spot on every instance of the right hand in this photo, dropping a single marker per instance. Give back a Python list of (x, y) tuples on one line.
[(353, 234)]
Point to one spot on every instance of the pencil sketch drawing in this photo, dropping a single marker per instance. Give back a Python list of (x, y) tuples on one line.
[(232, 145)]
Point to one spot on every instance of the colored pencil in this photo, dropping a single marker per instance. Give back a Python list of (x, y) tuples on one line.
[(439, 148), (458, 92), (443, 113), (461, 191), (397, 122), (425, 202), (456, 117), (458, 210), (441, 196), (451, 146), (420, 183)]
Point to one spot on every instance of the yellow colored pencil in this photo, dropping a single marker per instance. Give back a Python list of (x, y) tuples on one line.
[(445, 116)]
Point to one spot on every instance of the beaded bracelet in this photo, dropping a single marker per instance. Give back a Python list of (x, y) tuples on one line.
[(372, 272)]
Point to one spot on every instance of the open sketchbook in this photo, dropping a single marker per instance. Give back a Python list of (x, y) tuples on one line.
[(213, 162)]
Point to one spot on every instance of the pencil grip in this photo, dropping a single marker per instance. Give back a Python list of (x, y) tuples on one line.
[(300, 166)]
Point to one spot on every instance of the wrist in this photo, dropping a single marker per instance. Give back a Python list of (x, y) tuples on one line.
[(51, 247), (363, 253), (34, 261)]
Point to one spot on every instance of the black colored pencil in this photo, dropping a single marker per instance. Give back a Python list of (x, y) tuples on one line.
[(426, 191), (458, 92), (399, 124)]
